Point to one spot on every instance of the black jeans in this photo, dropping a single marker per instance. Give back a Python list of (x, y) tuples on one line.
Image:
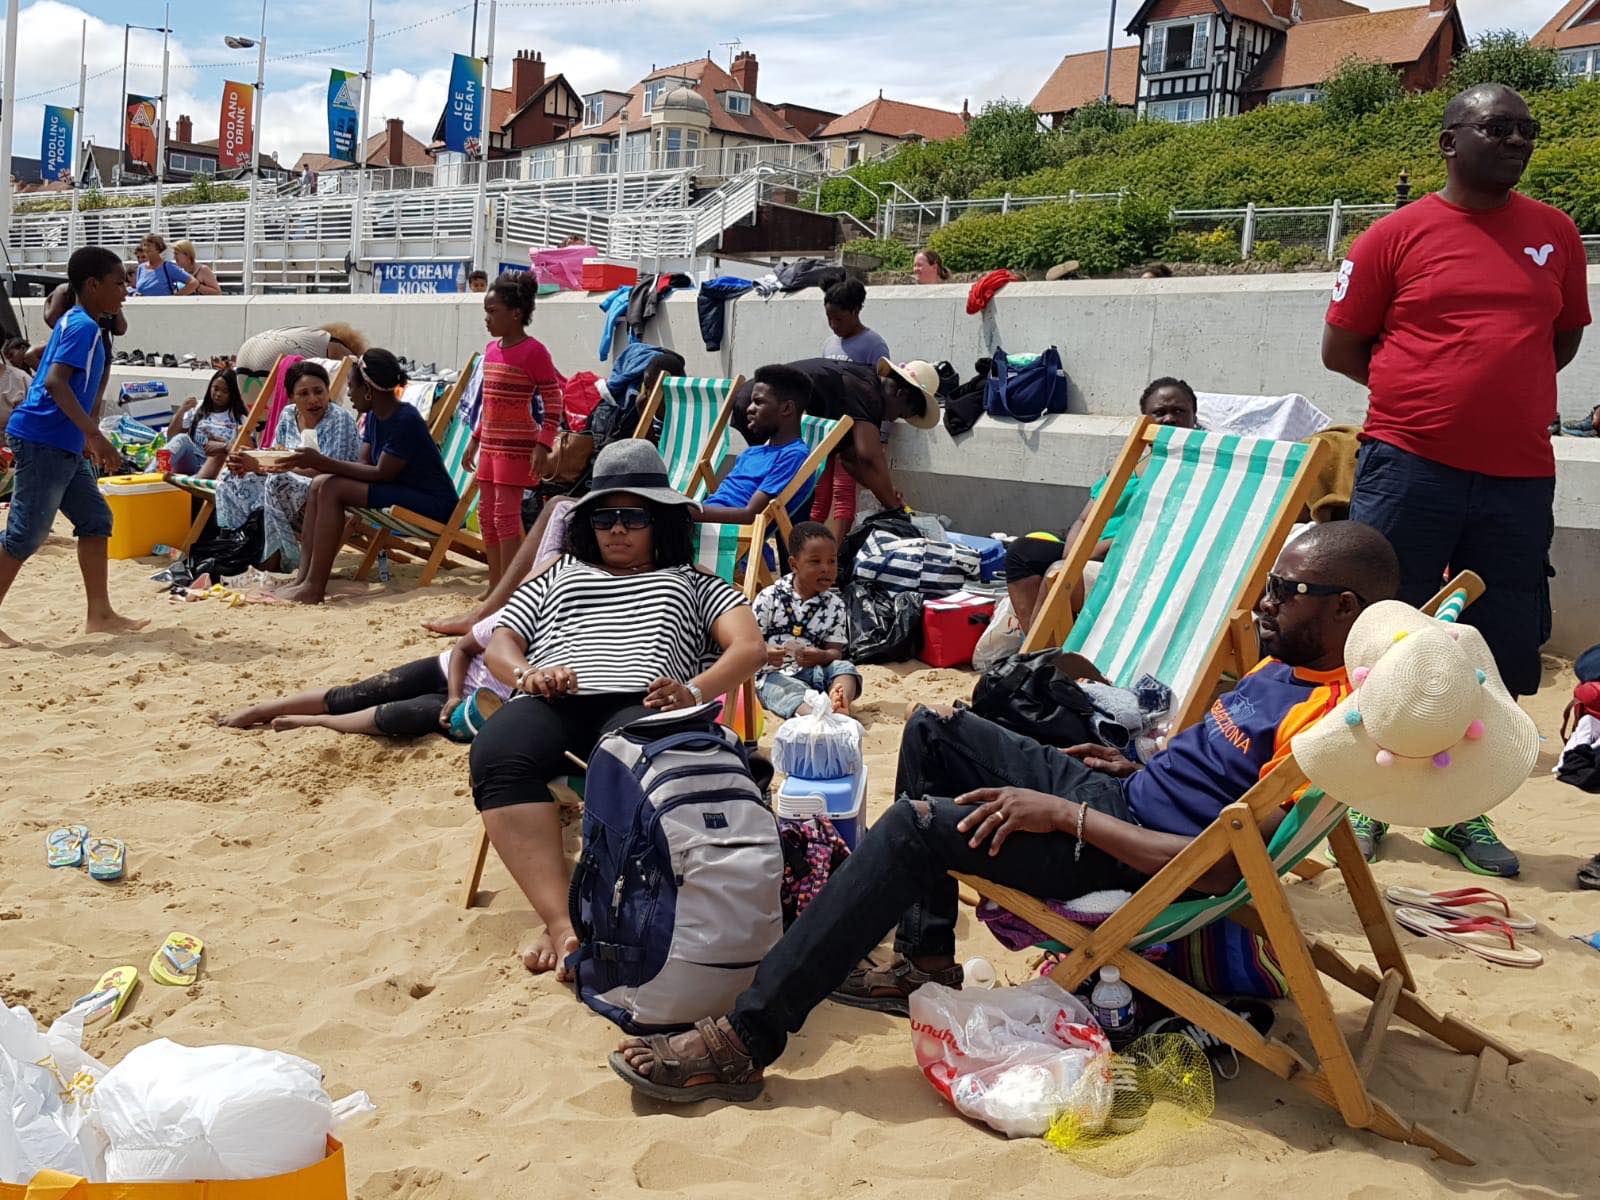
[(898, 873), (408, 698), (523, 746)]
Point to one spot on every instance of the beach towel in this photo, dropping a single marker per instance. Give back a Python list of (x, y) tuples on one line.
[(1288, 418), (280, 398)]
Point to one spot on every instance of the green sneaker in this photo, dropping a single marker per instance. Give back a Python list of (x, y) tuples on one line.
[(1368, 834), (1477, 845)]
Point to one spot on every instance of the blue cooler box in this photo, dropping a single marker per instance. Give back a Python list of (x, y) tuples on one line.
[(842, 801), (991, 553)]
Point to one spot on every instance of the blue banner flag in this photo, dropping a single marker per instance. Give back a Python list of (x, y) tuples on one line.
[(463, 114), (344, 115), (420, 276), (55, 149)]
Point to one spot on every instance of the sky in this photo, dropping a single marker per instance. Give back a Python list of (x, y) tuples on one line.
[(831, 54)]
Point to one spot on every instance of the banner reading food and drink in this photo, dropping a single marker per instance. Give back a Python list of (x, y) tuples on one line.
[(141, 133), (344, 114), (55, 147), (233, 136), (463, 115)]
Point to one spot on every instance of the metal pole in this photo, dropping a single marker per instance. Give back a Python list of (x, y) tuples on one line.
[(473, 53), (1335, 221), (480, 255), (9, 115), (1111, 37), (255, 160), (161, 125), (361, 148), (73, 235), (122, 121)]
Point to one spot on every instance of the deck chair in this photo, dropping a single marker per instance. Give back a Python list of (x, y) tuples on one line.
[(1175, 595), (694, 428), (1259, 902)]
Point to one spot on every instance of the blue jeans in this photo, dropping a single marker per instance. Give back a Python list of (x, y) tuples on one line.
[(782, 692), (50, 480), (188, 455), (1442, 520)]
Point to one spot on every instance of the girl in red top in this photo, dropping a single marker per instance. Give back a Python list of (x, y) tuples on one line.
[(519, 420)]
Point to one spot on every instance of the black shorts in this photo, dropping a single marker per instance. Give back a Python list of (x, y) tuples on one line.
[(1030, 557), (408, 699)]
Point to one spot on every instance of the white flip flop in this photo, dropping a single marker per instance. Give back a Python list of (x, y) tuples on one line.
[(1481, 935), (1448, 903)]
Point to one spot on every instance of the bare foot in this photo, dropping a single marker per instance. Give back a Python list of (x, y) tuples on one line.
[(541, 957), (281, 724), (245, 718), (114, 623), (7, 642), (450, 626), (300, 593), (841, 701)]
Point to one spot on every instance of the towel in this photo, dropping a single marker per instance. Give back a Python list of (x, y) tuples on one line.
[(1336, 481)]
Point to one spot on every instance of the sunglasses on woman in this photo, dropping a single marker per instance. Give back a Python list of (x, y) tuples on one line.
[(632, 519)]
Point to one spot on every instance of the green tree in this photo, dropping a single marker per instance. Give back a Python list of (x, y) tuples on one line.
[(1505, 56), (1359, 86), (1105, 115)]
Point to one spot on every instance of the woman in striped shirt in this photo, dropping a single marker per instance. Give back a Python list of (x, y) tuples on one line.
[(616, 629)]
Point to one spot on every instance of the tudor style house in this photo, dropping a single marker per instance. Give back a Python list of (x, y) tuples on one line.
[(1575, 32)]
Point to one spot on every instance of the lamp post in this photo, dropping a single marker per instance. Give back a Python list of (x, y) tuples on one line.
[(161, 118), (244, 43), (122, 125), (1111, 37), (8, 115), (480, 256)]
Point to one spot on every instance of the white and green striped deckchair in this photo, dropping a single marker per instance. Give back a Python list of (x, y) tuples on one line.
[(1160, 912), (1175, 595), (694, 416)]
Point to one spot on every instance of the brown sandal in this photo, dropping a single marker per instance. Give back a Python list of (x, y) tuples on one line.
[(869, 986), (738, 1077)]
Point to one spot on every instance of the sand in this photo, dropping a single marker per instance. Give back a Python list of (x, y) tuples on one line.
[(322, 871)]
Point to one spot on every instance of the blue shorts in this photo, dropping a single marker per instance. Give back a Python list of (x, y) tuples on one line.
[(398, 495), (1441, 520), (51, 480), (782, 693)]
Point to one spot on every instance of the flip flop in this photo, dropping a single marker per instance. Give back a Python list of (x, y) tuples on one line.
[(1481, 935), (107, 857), (64, 847), (177, 963), (1446, 903), (108, 998)]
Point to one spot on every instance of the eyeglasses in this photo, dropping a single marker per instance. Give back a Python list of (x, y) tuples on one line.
[(632, 518), (1280, 589), (1500, 128)]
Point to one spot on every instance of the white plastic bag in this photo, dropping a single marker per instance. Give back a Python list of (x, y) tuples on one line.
[(822, 744), (1001, 639), (1013, 1058), (45, 1081), (171, 1113)]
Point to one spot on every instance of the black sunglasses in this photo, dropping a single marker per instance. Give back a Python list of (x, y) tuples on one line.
[(1500, 128), (631, 518), (1280, 589)]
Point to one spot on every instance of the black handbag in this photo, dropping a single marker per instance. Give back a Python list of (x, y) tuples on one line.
[(228, 551), (1029, 695)]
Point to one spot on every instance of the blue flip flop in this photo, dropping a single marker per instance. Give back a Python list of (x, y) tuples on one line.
[(64, 847)]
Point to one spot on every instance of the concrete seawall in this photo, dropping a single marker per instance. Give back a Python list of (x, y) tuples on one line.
[(1248, 334)]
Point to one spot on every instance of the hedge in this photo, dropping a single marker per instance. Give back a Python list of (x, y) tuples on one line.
[(893, 255), (1101, 236)]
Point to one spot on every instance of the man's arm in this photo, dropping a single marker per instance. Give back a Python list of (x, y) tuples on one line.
[(1350, 354), (59, 384), (870, 467), (1567, 343), (714, 514)]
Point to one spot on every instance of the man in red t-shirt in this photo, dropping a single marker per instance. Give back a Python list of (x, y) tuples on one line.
[(1458, 311)]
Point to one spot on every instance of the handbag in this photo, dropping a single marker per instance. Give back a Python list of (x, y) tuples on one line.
[(916, 564), (1028, 694), (569, 457), (1026, 388)]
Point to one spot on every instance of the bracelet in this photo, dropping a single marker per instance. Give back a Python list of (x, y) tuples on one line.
[(694, 690), (1083, 817)]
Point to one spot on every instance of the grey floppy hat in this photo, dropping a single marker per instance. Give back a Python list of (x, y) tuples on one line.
[(631, 465)]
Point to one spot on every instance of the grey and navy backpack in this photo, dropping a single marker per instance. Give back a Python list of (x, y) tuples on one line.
[(675, 898)]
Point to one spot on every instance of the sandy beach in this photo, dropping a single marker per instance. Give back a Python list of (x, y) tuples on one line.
[(323, 871)]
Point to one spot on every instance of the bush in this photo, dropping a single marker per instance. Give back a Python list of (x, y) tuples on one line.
[(894, 255), (1217, 247), (1359, 87), (1100, 115), (1291, 257), (1266, 250), (1505, 56), (1102, 237)]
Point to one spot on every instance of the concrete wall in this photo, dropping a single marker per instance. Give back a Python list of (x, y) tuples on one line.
[(1250, 334)]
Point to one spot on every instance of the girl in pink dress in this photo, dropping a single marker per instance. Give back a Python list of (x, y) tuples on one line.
[(520, 417)]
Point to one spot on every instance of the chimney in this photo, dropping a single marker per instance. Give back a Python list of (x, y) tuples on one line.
[(396, 155), (744, 71), (527, 77), (966, 114), (1282, 8), (1441, 6), (185, 128)]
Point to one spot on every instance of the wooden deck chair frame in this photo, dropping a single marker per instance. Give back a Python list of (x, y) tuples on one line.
[(1235, 649), (705, 470), (1339, 1076)]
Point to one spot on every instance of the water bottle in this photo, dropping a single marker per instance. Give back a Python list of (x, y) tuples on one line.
[(1111, 1002), (383, 566)]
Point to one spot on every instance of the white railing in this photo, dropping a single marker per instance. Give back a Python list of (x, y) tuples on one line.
[(902, 215)]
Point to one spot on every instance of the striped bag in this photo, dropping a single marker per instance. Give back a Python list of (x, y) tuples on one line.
[(910, 564)]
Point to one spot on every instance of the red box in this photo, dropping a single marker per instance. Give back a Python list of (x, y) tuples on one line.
[(951, 627), (598, 275)]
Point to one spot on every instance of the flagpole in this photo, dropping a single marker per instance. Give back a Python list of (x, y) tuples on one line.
[(361, 146), (480, 254), (255, 159), (8, 115), (161, 119), (78, 131)]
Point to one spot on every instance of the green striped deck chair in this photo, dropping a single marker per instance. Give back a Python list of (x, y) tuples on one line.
[(1164, 910), (1174, 597), (694, 428)]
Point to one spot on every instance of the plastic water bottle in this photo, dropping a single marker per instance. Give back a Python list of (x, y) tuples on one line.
[(383, 566), (1111, 1002)]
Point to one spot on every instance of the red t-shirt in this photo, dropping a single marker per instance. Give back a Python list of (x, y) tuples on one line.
[(1465, 306)]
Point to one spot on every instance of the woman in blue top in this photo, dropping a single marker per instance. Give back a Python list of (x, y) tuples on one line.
[(158, 277), (399, 466)]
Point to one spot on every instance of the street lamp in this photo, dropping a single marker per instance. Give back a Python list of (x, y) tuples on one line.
[(122, 135), (245, 43)]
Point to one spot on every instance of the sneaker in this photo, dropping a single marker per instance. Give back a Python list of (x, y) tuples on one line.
[(1368, 834), (1223, 1058), (1477, 845)]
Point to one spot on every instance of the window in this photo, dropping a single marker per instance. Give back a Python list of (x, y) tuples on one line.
[(594, 111), (680, 148), (1580, 64), (637, 155), (193, 163), (1296, 96), (1181, 112), (605, 160), (542, 163), (739, 161), (653, 91), (1177, 46), (737, 103), (852, 153)]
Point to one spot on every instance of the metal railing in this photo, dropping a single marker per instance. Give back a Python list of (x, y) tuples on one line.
[(909, 219)]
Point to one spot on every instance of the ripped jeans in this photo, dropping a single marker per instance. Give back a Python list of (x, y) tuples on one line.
[(898, 874)]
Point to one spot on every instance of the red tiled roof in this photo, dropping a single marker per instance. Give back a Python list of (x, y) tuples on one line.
[(708, 79), (1259, 11), (1079, 79), (1310, 52), (897, 119), (1584, 18), (412, 154)]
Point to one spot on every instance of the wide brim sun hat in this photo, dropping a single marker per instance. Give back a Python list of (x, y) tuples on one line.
[(631, 465), (923, 376), (1428, 735)]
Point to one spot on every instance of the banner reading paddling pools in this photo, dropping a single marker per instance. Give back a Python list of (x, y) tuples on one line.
[(55, 147), (463, 117), (344, 115), (233, 136)]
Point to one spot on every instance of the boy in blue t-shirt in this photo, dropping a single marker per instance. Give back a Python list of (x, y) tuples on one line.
[(776, 454), (57, 444)]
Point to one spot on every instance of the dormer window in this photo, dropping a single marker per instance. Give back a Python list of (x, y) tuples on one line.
[(594, 111), (737, 103)]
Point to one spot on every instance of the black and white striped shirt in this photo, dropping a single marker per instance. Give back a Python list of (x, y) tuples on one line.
[(618, 633)]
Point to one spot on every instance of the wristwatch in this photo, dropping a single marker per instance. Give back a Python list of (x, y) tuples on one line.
[(694, 690)]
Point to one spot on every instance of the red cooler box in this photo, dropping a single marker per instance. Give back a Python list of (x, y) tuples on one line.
[(606, 275), (951, 627)]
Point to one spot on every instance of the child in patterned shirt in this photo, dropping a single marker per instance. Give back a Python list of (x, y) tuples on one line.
[(803, 619)]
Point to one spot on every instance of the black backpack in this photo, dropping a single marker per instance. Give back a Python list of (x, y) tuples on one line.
[(1028, 694), (893, 521)]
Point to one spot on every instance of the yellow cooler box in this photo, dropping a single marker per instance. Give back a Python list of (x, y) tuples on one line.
[(145, 510)]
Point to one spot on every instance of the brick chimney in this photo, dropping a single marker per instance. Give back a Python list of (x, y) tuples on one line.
[(527, 77), (185, 128), (395, 155), (744, 71), (1441, 6)]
